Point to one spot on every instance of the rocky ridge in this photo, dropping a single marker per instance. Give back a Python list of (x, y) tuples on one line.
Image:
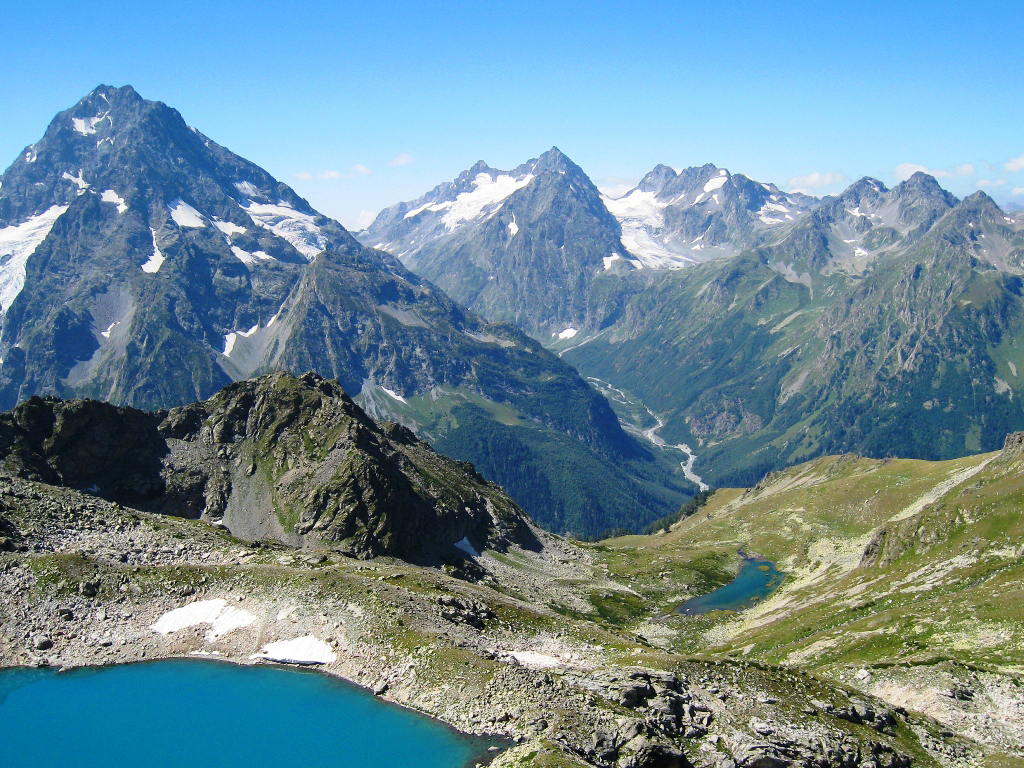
[(284, 458)]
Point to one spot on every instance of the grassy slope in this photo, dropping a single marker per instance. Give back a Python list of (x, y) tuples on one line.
[(892, 565)]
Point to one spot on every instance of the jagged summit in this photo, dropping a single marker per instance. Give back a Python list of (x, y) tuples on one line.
[(530, 246), (674, 219)]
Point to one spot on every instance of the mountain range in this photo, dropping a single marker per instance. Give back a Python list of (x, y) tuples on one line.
[(760, 327), (541, 247), (146, 265), (715, 318)]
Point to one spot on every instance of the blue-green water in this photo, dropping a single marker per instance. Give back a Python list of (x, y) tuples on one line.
[(756, 580), (199, 713)]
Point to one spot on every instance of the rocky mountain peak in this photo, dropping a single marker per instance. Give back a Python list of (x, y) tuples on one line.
[(981, 203), (864, 191), (477, 168), (555, 160), (921, 201), (657, 178)]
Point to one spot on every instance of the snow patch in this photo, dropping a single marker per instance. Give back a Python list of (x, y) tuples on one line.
[(301, 650), (17, 243), (185, 215), (394, 395), (229, 228), (534, 660), (717, 182), (87, 125), (247, 189), (250, 259), (78, 180), (568, 333), (110, 196), (231, 338), (299, 229), (610, 260), (222, 618), (513, 227), (152, 266), (106, 334)]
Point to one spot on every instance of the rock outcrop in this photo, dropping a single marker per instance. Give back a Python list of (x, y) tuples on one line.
[(280, 457)]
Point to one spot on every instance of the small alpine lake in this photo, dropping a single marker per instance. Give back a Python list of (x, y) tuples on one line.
[(757, 579), (204, 713)]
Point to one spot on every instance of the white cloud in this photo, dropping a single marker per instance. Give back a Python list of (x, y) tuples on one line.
[(356, 170), (905, 170), (366, 218), (615, 186), (1014, 164), (403, 159), (615, 190), (1018, 192), (815, 180), (991, 182)]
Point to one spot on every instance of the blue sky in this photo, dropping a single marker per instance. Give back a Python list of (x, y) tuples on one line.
[(358, 106)]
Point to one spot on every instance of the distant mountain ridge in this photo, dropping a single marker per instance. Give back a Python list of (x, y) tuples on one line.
[(795, 319), (146, 265), (541, 247), (534, 246), (674, 219), (885, 322)]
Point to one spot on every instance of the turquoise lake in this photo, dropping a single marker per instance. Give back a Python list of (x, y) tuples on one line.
[(201, 713), (756, 580)]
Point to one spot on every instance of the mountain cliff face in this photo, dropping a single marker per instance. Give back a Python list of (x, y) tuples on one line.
[(146, 265), (887, 322), (277, 457), (534, 246)]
